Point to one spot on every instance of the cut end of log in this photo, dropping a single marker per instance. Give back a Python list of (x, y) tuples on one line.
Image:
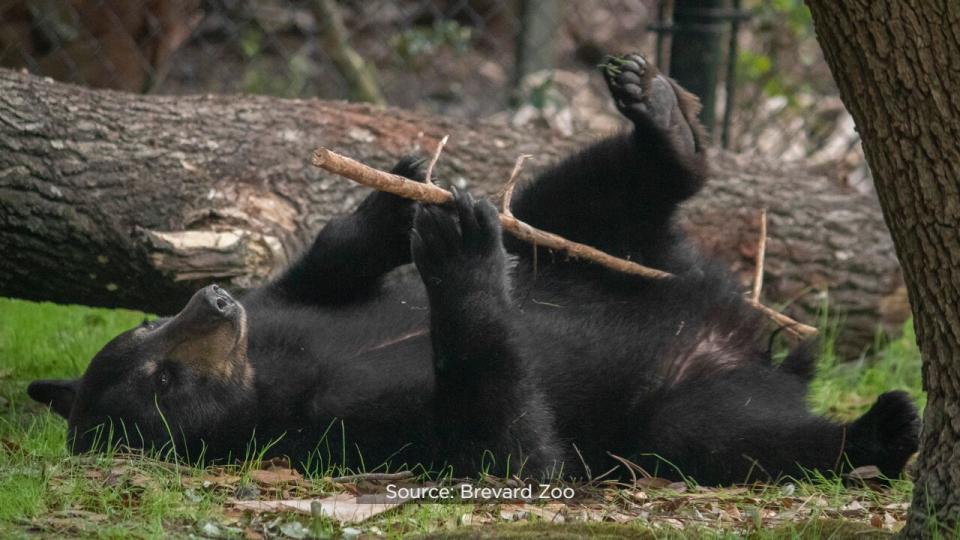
[(243, 258)]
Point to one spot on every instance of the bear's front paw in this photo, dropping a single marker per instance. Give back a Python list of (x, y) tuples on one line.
[(459, 246), (383, 220), (389, 210)]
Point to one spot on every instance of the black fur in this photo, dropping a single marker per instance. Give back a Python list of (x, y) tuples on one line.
[(484, 362)]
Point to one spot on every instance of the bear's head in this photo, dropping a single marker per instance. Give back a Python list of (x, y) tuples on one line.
[(162, 383)]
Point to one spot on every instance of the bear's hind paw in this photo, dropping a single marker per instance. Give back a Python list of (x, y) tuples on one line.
[(645, 96)]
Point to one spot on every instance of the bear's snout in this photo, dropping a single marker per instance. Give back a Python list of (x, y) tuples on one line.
[(218, 300)]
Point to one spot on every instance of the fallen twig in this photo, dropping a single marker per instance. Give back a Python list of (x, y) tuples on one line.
[(428, 179), (761, 254), (506, 196), (428, 193), (798, 329), (372, 477)]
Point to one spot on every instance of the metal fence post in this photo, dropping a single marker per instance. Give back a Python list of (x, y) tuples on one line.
[(695, 52)]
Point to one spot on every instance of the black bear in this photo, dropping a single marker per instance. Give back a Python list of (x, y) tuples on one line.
[(495, 358)]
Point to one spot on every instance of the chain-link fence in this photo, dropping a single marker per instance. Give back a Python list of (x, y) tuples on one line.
[(522, 60), (423, 51)]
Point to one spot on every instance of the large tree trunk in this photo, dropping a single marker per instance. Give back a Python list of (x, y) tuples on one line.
[(112, 199), (897, 63)]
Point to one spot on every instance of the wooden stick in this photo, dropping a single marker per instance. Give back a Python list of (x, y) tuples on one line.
[(761, 254), (428, 193), (506, 196), (428, 179), (797, 329), (786, 322)]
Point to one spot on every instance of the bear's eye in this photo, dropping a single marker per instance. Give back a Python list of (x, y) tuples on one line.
[(163, 378), (149, 325)]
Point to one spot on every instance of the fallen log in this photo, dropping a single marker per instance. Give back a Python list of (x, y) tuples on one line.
[(121, 200)]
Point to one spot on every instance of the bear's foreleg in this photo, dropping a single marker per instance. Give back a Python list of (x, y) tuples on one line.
[(459, 253), (352, 252), (490, 417)]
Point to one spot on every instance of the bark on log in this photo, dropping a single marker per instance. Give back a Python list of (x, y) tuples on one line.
[(119, 200)]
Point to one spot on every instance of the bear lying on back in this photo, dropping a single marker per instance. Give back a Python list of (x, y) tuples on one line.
[(495, 358)]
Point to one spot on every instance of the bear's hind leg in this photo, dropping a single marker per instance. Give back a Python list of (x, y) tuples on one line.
[(886, 435), (619, 195), (722, 430), (655, 104)]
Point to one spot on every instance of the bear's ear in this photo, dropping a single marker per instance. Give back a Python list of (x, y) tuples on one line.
[(58, 394)]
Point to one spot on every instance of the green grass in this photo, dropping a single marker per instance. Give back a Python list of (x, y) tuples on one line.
[(43, 490), (847, 389)]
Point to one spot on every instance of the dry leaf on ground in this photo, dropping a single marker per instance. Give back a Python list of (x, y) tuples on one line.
[(275, 476)]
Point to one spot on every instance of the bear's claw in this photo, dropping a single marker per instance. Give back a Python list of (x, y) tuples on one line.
[(459, 245)]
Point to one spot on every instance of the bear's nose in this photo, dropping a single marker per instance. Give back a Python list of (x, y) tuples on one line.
[(218, 299)]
